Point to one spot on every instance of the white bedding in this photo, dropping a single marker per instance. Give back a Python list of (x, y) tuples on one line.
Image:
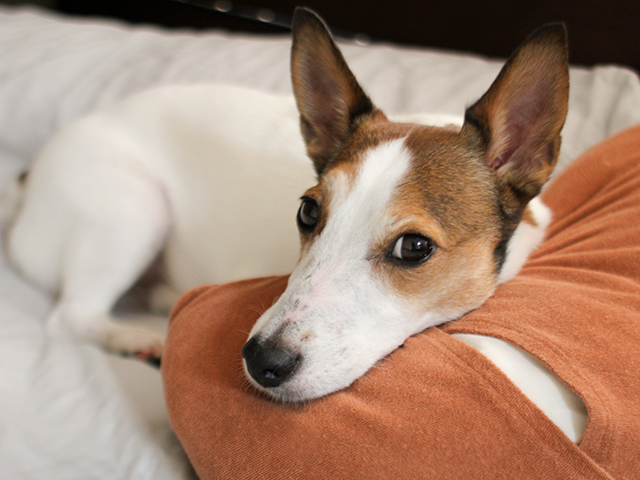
[(70, 412)]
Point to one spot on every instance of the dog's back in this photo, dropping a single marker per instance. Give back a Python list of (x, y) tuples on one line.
[(214, 159)]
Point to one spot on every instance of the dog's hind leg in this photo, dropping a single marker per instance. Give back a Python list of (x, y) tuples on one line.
[(103, 260), (68, 320)]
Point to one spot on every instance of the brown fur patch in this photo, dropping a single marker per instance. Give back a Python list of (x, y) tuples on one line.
[(449, 182), (449, 283), (527, 217), (449, 196), (368, 135), (322, 196)]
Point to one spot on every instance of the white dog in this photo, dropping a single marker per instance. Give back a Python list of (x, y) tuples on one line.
[(409, 226)]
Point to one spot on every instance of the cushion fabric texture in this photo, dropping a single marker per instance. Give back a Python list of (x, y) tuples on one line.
[(437, 408)]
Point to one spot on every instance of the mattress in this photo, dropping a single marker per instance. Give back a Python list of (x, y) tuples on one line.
[(70, 411)]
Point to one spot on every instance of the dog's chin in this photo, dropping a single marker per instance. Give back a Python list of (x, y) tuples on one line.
[(299, 389), (304, 387), (286, 395), (294, 391)]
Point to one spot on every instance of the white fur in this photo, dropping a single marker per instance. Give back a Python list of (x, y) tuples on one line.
[(525, 240), (536, 381)]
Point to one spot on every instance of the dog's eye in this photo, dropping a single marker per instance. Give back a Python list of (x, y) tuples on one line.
[(308, 214), (413, 248)]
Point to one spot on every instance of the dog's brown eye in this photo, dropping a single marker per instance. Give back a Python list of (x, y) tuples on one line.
[(413, 248), (308, 214)]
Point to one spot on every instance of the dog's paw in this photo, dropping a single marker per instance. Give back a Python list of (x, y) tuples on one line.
[(137, 343), (64, 324)]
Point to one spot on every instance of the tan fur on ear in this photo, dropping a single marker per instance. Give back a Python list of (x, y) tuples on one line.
[(517, 123), (329, 98)]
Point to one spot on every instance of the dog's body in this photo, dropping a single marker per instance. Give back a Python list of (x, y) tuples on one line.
[(178, 169), (208, 176), (409, 226)]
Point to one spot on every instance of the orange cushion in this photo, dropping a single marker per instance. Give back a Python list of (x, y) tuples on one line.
[(437, 408)]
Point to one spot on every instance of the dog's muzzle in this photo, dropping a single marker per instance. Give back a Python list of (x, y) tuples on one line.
[(268, 364)]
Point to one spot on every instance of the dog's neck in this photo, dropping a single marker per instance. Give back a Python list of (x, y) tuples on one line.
[(526, 239)]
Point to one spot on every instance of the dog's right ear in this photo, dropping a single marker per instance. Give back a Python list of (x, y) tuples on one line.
[(329, 98), (518, 121)]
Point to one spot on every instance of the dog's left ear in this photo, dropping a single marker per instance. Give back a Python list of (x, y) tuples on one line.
[(517, 123), (329, 98)]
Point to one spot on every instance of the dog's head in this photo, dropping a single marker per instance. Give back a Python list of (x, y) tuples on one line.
[(408, 225)]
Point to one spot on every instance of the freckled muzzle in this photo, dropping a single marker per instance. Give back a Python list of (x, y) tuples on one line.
[(268, 364)]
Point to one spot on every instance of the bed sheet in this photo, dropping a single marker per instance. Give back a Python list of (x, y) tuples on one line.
[(71, 412)]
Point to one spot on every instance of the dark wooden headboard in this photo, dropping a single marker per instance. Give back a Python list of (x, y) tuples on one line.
[(600, 31)]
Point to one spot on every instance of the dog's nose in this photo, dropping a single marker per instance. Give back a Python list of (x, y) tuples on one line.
[(269, 365)]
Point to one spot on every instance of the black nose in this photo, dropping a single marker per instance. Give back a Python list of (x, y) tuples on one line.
[(267, 364)]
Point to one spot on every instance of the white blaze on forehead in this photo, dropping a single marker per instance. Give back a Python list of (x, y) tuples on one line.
[(357, 217), (359, 206), (383, 167)]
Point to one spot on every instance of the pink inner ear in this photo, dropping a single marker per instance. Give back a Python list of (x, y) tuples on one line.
[(501, 160), (523, 116)]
